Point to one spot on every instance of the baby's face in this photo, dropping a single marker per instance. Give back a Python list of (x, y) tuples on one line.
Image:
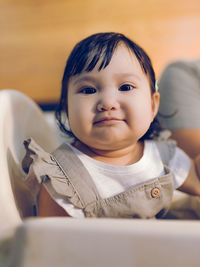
[(112, 108)]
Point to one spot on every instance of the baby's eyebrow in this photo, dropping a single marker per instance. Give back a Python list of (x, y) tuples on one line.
[(90, 78), (86, 78), (128, 75)]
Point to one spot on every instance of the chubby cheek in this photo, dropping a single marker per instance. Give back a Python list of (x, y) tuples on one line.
[(79, 118), (73, 115), (140, 116), (75, 119)]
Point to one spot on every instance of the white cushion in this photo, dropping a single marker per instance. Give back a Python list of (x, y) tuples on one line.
[(20, 118), (70, 242)]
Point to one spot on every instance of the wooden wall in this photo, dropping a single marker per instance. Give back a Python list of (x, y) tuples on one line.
[(36, 36)]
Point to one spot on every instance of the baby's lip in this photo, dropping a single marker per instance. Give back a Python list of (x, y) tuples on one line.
[(98, 120)]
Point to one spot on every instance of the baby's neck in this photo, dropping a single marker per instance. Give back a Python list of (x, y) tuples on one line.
[(120, 157)]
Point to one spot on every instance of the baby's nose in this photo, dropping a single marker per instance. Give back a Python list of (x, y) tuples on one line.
[(108, 103)]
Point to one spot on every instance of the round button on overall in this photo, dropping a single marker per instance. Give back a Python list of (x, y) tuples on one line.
[(155, 192)]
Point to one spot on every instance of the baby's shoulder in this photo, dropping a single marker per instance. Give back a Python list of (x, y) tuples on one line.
[(42, 167), (35, 154)]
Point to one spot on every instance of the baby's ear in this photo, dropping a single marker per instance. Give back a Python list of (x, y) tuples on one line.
[(155, 103)]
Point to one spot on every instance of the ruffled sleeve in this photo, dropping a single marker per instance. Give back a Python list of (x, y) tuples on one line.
[(41, 167)]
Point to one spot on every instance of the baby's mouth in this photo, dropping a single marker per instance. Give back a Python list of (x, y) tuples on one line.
[(107, 121)]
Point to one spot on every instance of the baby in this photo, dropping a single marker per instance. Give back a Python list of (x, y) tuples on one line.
[(115, 165)]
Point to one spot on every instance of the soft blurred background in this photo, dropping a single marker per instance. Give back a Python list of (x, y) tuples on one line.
[(36, 36)]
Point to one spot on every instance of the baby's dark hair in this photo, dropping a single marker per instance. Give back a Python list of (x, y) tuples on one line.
[(99, 48)]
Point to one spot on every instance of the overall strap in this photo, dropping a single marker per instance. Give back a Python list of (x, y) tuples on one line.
[(166, 149), (76, 173)]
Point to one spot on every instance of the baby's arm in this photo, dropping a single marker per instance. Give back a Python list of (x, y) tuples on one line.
[(192, 182), (47, 207)]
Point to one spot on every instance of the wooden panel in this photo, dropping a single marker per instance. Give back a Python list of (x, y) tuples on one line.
[(37, 36)]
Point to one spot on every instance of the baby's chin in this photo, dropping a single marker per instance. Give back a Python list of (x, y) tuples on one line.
[(112, 145), (109, 140)]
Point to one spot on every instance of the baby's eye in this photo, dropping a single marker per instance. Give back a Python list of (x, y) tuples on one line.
[(88, 90), (126, 87)]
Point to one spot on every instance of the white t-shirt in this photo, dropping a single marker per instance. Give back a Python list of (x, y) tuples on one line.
[(111, 180)]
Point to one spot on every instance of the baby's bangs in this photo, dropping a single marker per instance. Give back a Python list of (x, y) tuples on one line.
[(101, 56), (87, 55)]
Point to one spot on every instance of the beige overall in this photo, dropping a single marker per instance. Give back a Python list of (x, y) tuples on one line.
[(66, 177), (148, 200)]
